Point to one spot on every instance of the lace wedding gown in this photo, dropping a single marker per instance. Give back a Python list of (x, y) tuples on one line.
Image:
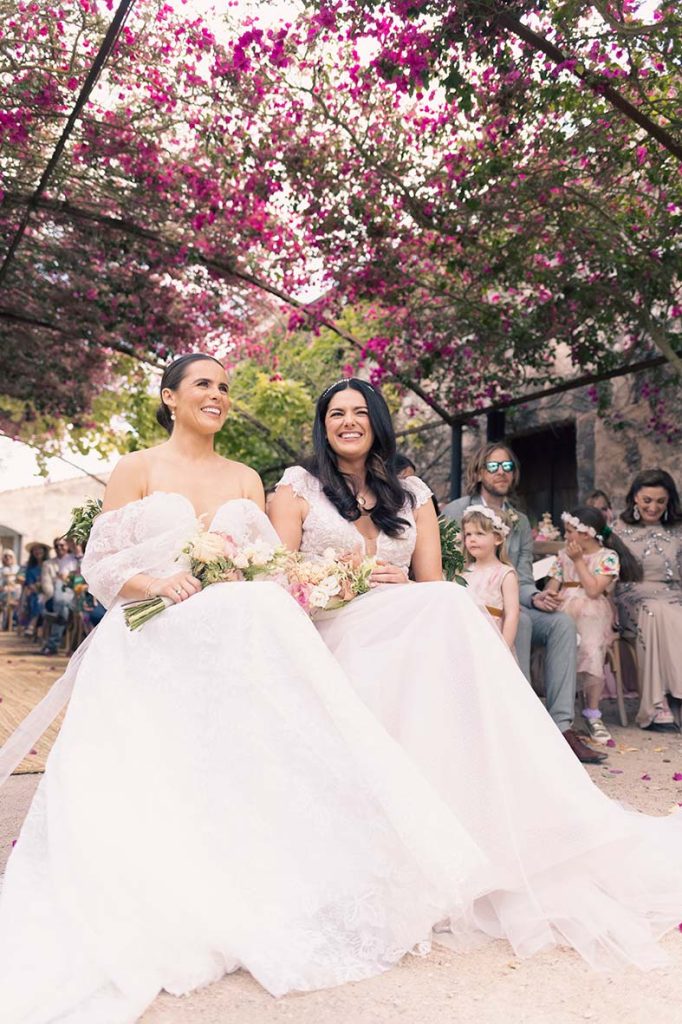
[(217, 797), (565, 864)]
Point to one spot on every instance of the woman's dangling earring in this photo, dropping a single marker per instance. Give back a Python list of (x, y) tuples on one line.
[(665, 515), (636, 514), (173, 416)]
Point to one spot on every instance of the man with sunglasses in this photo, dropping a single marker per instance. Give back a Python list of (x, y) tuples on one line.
[(492, 474)]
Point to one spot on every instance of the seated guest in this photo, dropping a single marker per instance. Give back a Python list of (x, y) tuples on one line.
[(31, 602), (492, 473), (10, 587), (405, 468), (58, 595), (650, 606), (600, 500), (584, 572)]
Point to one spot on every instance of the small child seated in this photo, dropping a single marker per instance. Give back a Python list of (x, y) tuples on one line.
[(584, 571), (492, 580)]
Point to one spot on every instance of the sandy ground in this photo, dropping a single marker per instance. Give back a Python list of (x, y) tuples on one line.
[(487, 986)]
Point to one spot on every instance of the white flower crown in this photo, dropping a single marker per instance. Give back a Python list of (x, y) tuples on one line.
[(498, 525), (573, 521)]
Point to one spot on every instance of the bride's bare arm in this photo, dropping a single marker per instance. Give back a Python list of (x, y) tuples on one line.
[(426, 559), (127, 484), (287, 512)]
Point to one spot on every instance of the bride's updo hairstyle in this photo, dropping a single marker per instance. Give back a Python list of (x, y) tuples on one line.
[(382, 478), (173, 376)]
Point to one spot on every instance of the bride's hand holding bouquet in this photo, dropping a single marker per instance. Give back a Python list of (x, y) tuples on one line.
[(213, 558)]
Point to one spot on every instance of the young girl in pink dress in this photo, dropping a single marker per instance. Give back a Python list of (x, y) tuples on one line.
[(584, 572), (491, 579)]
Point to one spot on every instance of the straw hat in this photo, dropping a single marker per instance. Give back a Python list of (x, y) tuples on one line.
[(38, 544)]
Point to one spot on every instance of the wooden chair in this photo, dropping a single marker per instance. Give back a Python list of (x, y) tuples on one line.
[(614, 659), (75, 632)]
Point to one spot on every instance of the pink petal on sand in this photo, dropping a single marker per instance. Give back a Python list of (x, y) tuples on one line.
[(615, 771), (610, 743), (646, 778), (677, 777), (33, 751)]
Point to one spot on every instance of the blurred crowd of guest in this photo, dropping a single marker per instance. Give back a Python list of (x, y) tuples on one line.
[(46, 599)]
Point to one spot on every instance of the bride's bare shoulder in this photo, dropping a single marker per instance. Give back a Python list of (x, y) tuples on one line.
[(246, 478), (128, 480)]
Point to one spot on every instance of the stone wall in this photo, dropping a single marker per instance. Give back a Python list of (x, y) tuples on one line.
[(607, 456), (43, 511)]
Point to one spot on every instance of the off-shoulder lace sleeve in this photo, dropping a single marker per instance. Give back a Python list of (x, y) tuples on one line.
[(131, 540), (300, 480), (418, 488)]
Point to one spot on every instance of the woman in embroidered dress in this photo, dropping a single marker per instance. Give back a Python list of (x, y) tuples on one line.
[(650, 606), (217, 796), (491, 579), (585, 571), (437, 673)]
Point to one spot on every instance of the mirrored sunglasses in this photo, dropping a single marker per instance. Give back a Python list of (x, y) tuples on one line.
[(507, 466)]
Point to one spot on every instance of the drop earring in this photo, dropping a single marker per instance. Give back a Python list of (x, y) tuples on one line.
[(173, 417), (665, 515), (636, 514)]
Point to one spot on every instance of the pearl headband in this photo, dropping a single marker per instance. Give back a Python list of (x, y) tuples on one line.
[(573, 521), (343, 380), (498, 525)]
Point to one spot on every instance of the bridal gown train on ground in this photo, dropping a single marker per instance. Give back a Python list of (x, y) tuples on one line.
[(564, 863), (218, 797)]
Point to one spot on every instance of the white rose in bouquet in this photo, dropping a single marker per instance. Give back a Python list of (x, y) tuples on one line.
[(207, 547), (321, 594), (260, 553)]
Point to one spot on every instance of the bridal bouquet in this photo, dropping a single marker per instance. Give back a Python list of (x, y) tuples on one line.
[(216, 558), (328, 583)]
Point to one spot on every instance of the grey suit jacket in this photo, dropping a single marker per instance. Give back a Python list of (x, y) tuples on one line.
[(519, 545)]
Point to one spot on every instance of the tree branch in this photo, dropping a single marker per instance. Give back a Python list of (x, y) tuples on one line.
[(595, 82)]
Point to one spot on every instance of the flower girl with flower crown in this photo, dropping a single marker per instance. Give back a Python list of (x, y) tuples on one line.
[(491, 578), (592, 560)]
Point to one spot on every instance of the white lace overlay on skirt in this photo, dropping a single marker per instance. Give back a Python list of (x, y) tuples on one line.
[(217, 797), (564, 863)]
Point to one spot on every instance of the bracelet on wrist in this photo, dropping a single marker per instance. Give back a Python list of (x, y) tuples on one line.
[(149, 588)]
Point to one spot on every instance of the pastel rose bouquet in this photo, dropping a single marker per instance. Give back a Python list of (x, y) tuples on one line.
[(214, 558), (328, 583)]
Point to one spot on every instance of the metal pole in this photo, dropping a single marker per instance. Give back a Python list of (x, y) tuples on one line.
[(495, 425), (456, 461)]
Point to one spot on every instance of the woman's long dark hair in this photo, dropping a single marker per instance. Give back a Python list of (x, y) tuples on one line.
[(653, 478), (630, 569), (381, 475), (172, 378), (34, 562)]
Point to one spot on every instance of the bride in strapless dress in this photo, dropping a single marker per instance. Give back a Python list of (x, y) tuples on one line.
[(565, 864), (218, 797)]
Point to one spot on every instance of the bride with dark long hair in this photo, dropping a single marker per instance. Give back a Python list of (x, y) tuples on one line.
[(565, 864)]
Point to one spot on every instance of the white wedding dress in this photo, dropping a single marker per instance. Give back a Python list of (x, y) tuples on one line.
[(565, 864), (217, 797)]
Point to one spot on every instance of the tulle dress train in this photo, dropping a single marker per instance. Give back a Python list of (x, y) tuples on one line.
[(218, 797), (565, 865)]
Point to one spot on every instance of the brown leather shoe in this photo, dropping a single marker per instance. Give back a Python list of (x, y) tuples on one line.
[(581, 750)]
